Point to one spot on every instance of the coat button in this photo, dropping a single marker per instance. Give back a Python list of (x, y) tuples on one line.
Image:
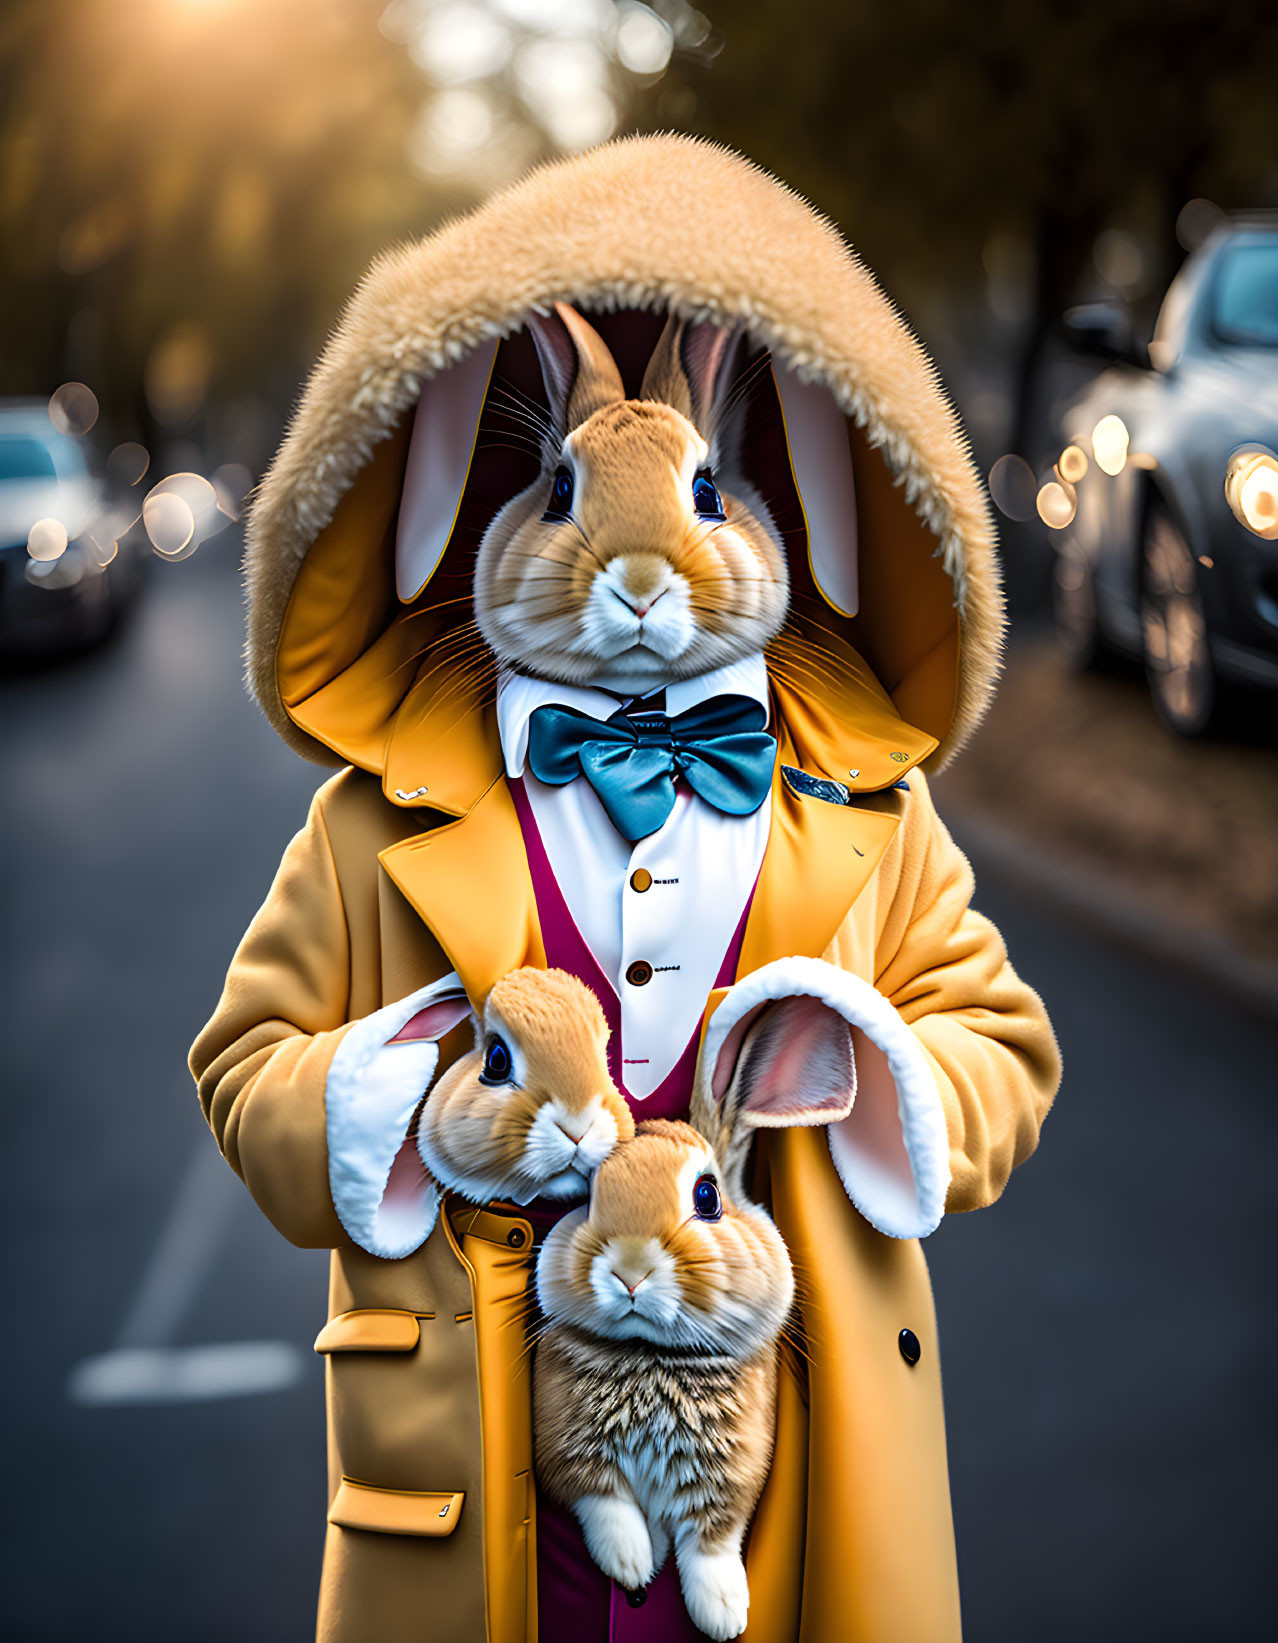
[(908, 1342), (636, 1596), (641, 879), (515, 1237), (639, 973)]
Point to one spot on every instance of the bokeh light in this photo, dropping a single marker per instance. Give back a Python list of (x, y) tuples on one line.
[(176, 532), (454, 127), (1196, 220), (73, 409), (169, 523), (644, 40), (231, 484), (510, 78), (1109, 445), (460, 42), (1012, 485), (564, 85), (47, 540), (1073, 464), (101, 541), (1251, 489), (127, 463), (1057, 504)]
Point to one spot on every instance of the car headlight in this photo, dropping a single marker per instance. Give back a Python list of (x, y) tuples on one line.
[(1251, 489)]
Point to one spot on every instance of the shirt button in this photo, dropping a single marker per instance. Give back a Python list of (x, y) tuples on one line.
[(640, 973), (641, 879)]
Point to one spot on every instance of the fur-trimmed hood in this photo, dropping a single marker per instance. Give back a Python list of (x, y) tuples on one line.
[(629, 232)]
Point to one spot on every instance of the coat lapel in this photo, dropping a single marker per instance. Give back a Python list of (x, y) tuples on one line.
[(820, 857), (469, 881), (822, 854)]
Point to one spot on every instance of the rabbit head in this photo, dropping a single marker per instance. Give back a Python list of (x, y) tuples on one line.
[(670, 1249), (532, 1110), (640, 555)]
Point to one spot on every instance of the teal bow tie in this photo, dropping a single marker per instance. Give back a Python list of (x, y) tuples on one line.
[(720, 749)]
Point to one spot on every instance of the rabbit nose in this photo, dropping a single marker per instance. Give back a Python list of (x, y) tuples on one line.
[(625, 1282), (641, 605), (574, 1129)]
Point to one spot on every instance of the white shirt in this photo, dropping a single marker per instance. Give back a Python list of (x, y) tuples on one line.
[(703, 866)]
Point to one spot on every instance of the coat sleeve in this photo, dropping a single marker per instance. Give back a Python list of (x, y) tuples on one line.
[(261, 1063), (314, 1111), (984, 1032)]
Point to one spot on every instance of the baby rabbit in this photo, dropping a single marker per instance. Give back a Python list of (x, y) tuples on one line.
[(655, 1383), (532, 1110), (640, 555)]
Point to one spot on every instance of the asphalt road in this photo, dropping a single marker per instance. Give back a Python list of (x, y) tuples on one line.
[(1107, 1328)]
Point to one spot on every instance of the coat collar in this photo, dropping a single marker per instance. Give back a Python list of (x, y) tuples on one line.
[(445, 750), (469, 879)]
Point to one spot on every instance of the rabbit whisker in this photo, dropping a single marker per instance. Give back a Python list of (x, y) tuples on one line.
[(513, 411)]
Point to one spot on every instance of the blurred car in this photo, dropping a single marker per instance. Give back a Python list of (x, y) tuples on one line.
[(76, 597), (1171, 553)]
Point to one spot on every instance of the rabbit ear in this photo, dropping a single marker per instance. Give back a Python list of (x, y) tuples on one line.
[(787, 1063), (795, 1067), (435, 1020), (580, 374), (890, 1146), (693, 368)]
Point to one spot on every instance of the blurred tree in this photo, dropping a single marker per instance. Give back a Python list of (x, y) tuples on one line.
[(935, 132), (189, 188)]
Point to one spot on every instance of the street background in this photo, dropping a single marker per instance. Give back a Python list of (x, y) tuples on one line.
[(188, 190)]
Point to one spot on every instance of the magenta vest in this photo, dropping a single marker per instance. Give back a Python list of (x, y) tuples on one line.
[(575, 1600)]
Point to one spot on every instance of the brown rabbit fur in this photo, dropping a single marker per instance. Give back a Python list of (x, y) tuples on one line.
[(542, 1129), (632, 586), (658, 1426), (655, 1381)]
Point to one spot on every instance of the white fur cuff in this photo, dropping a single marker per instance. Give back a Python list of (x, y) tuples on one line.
[(382, 1193), (892, 1150)]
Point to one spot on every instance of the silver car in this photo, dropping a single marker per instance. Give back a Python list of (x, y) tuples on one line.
[(57, 605), (1165, 494)]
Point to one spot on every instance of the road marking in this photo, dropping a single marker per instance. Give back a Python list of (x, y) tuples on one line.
[(192, 1374), (183, 1253), (141, 1366)]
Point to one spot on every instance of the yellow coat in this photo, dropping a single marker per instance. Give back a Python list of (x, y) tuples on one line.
[(411, 864)]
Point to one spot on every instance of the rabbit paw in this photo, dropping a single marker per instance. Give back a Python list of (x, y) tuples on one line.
[(715, 1591), (617, 1538)]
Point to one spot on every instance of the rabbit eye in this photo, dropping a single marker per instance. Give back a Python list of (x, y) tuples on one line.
[(497, 1063), (706, 499), (560, 495), (706, 1200)]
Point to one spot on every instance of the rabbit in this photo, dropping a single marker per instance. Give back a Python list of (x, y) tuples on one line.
[(640, 556), (655, 1379), (532, 1110)]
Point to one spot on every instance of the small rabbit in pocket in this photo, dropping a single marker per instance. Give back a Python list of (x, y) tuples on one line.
[(532, 1110), (655, 1382)]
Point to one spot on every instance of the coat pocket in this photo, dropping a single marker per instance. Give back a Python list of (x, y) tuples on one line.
[(404, 1398), (395, 1511), (371, 1330)]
